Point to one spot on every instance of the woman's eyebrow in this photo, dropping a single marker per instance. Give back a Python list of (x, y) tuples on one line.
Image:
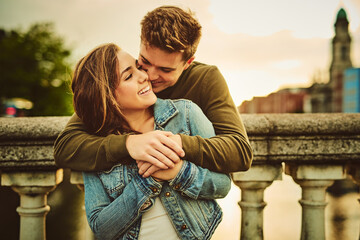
[(127, 69)]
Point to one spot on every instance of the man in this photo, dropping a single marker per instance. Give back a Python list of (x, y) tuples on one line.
[(169, 39)]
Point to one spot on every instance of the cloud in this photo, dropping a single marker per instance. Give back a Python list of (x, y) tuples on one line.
[(261, 18), (244, 51)]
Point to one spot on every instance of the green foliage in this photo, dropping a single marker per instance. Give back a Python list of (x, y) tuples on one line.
[(33, 65)]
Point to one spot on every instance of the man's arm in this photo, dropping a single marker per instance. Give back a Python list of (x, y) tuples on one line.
[(230, 150), (77, 149)]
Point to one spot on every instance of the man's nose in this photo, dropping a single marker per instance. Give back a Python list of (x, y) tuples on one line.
[(152, 73)]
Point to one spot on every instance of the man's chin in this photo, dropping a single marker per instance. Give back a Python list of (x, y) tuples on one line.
[(157, 89)]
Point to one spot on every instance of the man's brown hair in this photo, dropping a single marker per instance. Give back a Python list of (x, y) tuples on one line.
[(171, 29)]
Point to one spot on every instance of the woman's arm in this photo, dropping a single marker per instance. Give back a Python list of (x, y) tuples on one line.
[(200, 183), (109, 218), (195, 182)]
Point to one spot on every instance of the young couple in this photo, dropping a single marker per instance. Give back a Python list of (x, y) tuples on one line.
[(122, 133)]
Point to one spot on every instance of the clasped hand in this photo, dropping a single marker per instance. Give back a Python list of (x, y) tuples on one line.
[(157, 173), (157, 153)]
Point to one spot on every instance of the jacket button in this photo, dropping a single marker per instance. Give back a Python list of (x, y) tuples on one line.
[(183, 227), (177, 186), (167, 194), (154, 189)]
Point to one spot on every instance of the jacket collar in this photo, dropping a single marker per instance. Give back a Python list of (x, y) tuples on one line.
[(164, 110)]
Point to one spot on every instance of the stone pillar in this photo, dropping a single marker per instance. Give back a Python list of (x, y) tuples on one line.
[(33, 188), (253, 184), (353, 170), (76, 178), (313, 180)]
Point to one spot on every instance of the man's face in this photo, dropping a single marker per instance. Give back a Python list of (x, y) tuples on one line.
[(163, 68)]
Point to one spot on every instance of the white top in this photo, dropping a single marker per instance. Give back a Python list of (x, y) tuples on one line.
[(156, 224)]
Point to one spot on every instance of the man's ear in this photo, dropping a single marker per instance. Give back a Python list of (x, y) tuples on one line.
[(188, 62)]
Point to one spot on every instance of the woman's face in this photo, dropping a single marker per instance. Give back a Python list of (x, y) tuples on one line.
[(134, 91)]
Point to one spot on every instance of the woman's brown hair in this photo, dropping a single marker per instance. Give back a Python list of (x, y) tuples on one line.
[(95, 80)]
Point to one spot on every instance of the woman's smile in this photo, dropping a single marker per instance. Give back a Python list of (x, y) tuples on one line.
[(145, 90)]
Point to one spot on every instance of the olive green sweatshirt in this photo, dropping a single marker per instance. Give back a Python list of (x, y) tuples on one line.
[(229, 151)]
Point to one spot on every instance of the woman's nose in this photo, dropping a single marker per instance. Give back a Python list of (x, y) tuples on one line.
[(143, 76)]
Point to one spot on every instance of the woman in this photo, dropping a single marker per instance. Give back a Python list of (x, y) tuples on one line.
[(112, 95)]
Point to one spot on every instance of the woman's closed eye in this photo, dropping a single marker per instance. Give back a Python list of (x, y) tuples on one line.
[(129, 76)]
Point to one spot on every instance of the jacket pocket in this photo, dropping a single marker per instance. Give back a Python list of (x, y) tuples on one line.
[(114, 181), (200, 213)]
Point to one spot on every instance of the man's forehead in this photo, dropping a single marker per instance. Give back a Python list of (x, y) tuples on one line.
[(160, 58)]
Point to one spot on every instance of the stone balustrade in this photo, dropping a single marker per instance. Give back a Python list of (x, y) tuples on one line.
[(314, 149)]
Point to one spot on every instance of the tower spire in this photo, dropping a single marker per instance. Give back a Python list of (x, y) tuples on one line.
[(341, 48)]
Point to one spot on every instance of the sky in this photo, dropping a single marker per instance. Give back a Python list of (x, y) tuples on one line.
[(260, 46)]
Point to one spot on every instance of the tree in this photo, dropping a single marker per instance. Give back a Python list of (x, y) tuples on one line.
[(33, 66)]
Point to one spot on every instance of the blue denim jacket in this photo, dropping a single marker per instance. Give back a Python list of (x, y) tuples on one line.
[(115, 200)]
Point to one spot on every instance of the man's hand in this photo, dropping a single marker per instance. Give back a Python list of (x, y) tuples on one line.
[(159, 148)]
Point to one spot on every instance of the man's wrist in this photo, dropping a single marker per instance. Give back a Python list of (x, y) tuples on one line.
[(117, 146)]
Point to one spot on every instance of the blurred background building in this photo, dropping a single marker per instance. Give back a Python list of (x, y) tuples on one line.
[(341, 93)]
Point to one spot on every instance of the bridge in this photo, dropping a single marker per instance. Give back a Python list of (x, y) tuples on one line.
[(314, 149)]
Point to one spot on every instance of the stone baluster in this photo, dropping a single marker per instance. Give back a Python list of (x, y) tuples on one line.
[(253, 184), (313, 180), (76, 178), (33, 188), (353, 170)]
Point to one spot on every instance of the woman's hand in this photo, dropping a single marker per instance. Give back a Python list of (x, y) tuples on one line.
[(146, 169), (168, 174), (157, 173)]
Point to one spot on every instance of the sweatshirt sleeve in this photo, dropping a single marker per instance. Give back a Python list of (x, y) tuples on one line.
[(230, 150), (77, 149)]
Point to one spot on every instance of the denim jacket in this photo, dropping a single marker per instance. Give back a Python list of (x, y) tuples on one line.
[(115, 200)]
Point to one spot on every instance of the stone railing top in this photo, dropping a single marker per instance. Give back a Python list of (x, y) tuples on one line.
[(27, 143), (302, 124), (31, 127), (256, 124)]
